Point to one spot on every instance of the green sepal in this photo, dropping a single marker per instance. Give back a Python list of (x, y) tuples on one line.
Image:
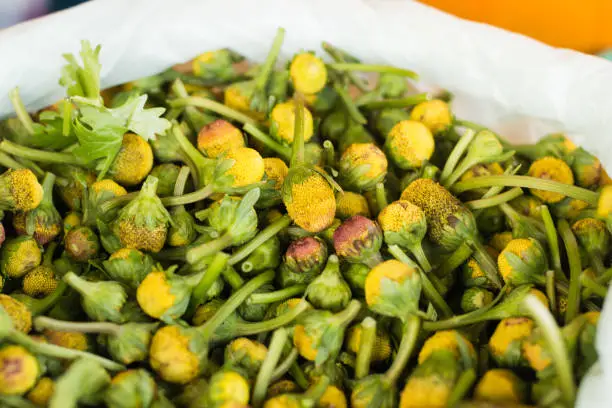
[(135, 388), (130, 271), (83, 382), (131, 342)]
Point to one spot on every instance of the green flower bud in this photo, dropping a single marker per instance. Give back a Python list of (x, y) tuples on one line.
[(409, 144), (505, 343), (130, 342), (44, 222), (593, 236), (333, 370), (265, 256), (216, 66), (358, 240), (587, 168), (78, 179), (245, 355), (329, 290), (323, 101), (491, 220), (362, 166), (386, 119), (182, 232), (555, 145), (523, 226), (19, 255), (255, 312), (128, 266), (304, 260), (529, 206), (19, 190), (97, 194), (84, 382), (227, 386), (206, 311), (223, 217), (393, 288), (143, 223), (475, 298), (334, 125), (568, 208), (102, 301), (132, 312), (373, 392), (131, 389), (523, 261), (431, 383), (81, 244), (318, 336), (355, 275), (166, 173), (193, 395)]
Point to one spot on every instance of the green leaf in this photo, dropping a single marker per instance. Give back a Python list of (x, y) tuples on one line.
[(144, 122), (82, 80)]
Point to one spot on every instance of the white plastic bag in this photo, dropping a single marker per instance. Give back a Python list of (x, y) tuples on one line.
[(517, 86)]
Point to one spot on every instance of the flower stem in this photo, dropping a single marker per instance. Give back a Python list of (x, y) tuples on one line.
[(409, 338), (265, 234), (339, 57), (345, 317), (593, 286), (10, 163), (278, 295), (349, 105), (464, 165), (39, 155), (42, 305), (20, 109), (43, 322), (285, 366), (455, 260), (181, 181), (487, 264), (316, 391), (395, 103), (283, 151), (456, 154), (214, 107), (366, 345), (15, 401), (194, 254), (298, 375), (578, 193), (51, 350), (575, 267), (551, 293), (462, 387), (189, 198), (279, 338), (382, 69), (556, 346), (263, 77), (297, 153), (213, 272), (495, 200), (553, 242), (381, 197), (330, 153)]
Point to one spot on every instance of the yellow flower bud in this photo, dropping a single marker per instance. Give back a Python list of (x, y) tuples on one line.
[(550, 168)]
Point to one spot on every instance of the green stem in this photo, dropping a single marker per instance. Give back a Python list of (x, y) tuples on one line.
[(283, 151), (118, 201), (213, 272), (462, 387), (262, 78), (279, 338), (339, 57), (10, 163), (366, 345), (233, 278), (556, 346), (15, 401), (278, 295), (285, 366), (464, 165), (67, 117), (593, 286), (196, 253), (456, 154), (48, 254), (575, 267), (597, 263), (395, 103), (349, 105), (381, 196), (21, 111), (455, 260), (181, 181), (249, 329), (297, 153), (409, 338), (553, 242), (51, 350), (316, 391), (551, 293), (42, 305), (214, 107), (486, 263), (298, 375), (47, 186), (419, 254), (267, 233), (42, 322), (189, 198), (330, 153), (345, 317), (232, 303), (373, 260), (578, 193), (428, 288), (39, 155), (606, 277), (382, 69), (495, 200)]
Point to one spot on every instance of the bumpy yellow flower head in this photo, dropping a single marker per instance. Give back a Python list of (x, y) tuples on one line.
[(499, 240), (333, 397), (393, 270), (248, 167), (18, 312), (531, 265), (283, 401), (18, 370), (246, 355), (276, 170), (133, 236), (434, 114), (425, 392), (312, 204), (154, 295), (39, 282), (362, 166), (110, 186), (382, 343), (237, 96), (133, 162), (71, 340), (42, 392), (282, 121), (508, 331), (219, 137), (550, 168), (445, 340), (409, 144), (397, 215), (349, 204), (20, 190), (500, 385), (170, 355), (308, 73), (226, 386)]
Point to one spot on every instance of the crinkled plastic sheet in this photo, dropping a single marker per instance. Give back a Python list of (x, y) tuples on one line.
[(517, 86)]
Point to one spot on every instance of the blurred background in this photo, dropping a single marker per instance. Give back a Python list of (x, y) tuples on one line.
[(578, 24)]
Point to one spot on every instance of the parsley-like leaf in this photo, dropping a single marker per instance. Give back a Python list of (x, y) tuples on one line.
[(82, 80)]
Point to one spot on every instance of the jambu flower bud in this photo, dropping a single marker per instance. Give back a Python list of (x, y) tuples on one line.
[(358, 240)]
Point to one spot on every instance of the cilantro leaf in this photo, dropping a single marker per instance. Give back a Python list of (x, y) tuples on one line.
[(144, 122), (82, 80)]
